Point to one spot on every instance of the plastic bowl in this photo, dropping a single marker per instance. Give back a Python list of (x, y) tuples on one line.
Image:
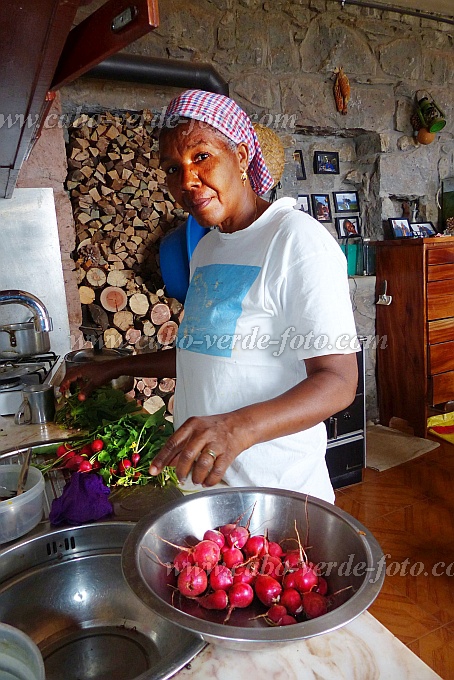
[(175, 253), (348, 550), (19, 514), (20, 658)]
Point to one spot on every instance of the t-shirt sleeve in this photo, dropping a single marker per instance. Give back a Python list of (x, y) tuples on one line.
[(315, 298)]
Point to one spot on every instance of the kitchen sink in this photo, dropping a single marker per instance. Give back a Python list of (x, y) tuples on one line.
[(66, 590)]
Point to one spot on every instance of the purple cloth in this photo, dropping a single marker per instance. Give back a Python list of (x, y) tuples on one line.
[(84, 499)]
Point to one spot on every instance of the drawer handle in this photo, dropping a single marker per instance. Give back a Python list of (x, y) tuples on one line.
[(354, 467)]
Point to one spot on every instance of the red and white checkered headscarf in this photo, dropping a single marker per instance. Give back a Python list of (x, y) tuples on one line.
[(225, 115)]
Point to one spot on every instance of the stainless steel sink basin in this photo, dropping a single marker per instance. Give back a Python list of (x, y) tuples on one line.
[(66, 590)]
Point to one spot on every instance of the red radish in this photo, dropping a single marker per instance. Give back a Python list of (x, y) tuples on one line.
[(97, 445), (221, 578), (206, 554), (96, 465), (246, 573), (314, 605), (240, 596), (237, 537), (267, 589), (276, 612), (322, 586), (124, 465), (292, 560), (218, 600), (291, 600), (63, 449), (86, 451), (215, 536), (272, 566), (227, 528), (182, 560), (232, 557), (305, 578), (275, 549), (192, 581), (289, 580), (256, 546), (85, 466), (135, 459), (74, 462), (287, 620)]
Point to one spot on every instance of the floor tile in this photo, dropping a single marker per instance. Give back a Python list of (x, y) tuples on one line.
[(437, 650)]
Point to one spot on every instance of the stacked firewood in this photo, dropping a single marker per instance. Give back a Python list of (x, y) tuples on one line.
[(122, 208)]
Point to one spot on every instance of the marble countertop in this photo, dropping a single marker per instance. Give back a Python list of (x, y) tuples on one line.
[(362, 650)]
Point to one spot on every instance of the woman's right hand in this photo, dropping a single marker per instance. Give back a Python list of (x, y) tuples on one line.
[(88, 376)]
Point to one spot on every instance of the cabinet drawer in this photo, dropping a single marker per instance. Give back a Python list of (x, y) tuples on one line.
[(441, 358), (350, 419), (440, 255), (442, 387), (438, 272), (441, 330), (344, 458), (440, 299)]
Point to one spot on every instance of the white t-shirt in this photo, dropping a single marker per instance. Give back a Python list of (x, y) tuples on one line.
[(260, 301)]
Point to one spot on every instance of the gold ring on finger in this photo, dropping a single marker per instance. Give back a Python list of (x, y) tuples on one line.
[(211, 453)]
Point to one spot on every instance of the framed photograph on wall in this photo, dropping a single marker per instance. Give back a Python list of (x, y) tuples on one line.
[(303, 203), (300, 170), (345, 201), (326, 163), (348, 226), (321, 208), (422, 229), (400, 227)]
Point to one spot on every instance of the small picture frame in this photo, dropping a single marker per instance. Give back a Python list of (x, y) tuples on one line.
[(303, 203), (346, 201), (400, 227), (326, 163), (348, 226), (423, 229), (321, 208), (300, 170)]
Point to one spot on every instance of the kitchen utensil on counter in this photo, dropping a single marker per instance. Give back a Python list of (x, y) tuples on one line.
[(38, 405), (383, 298), (20, 514), (335, 538), (20, 658), (72, 578), (22, 339), (15, 374), (123, 382), (23, 475)]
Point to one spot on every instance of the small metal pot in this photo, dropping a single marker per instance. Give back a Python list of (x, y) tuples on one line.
[(123, 382), (22, 339)]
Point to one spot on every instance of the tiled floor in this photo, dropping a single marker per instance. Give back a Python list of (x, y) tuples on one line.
[(410, 511)]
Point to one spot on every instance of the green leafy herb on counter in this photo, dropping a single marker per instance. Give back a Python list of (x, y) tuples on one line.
[(121, 451), (103, 406)]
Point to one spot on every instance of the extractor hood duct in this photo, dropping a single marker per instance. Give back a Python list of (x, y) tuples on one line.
[(153, 71)]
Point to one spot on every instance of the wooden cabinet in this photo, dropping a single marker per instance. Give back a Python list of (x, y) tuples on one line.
[(415, 345), (346, 449)]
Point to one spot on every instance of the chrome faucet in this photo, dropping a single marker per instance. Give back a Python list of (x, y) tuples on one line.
[(41, 317)]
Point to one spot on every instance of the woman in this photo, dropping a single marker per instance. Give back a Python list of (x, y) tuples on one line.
[(259, 362)]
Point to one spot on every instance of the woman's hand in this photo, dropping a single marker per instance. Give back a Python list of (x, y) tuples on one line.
[(206, 445), (88, 376)]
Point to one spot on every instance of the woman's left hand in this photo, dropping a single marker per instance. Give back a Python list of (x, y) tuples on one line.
[(204, 445)]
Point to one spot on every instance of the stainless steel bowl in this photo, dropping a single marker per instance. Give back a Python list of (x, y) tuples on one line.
[(353, 555), (66, 591)]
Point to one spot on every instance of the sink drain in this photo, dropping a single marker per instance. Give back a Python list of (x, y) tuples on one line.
[(101, 653)]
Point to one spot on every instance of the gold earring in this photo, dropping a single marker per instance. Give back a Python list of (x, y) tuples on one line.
[(244, 176)]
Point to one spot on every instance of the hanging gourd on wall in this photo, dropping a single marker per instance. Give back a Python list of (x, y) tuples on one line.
[(341, 90)]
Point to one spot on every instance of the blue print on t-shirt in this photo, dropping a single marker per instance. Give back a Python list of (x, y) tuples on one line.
[(212, 307)]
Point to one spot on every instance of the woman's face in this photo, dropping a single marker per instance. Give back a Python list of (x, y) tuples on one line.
[(204, 174)]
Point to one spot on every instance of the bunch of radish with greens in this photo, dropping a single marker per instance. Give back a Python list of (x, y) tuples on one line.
[(232, 569), (120, 451)]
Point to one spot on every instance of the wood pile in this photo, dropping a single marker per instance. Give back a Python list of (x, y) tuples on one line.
[(122, 208)]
